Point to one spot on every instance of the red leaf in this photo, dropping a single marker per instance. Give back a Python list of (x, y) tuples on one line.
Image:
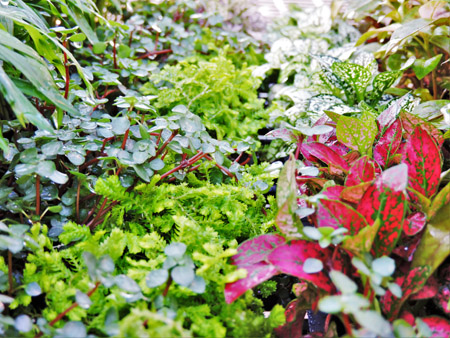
[(408, 247), (411, 122), (289, 259), (256, 274), (385, 199), (439, 326), (354, 193), (363, 170), (414, 223), (294, 321), (413, 282), (317, 151), (443, 298), (257, 249), (333, 192), (388, 116), (337, 214), (388, 144), (421, 155), (428, 291)]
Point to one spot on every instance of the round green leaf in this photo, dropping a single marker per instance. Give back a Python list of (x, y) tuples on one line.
[(52, 148), (33, 289), (46, 169), (175, 250), (157, 164), (23, 323), (183, 275), (120, 125), (330, 304), (156, 278), (77, 37), (312, 265), (99, 47), (83, 300), (75, 157), (384, 266), (343, 283), (198, 285)]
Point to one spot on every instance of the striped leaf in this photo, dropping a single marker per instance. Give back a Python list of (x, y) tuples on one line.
[(388, 144)]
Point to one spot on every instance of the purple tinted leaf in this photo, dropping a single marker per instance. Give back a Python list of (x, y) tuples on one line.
[(255, 250)]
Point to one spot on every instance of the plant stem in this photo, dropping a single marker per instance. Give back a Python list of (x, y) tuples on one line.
[(78, 201), (166, 289), (160, 150), (157, 52), (10, 276), (114, 53), (66, 311), (125, 138), (98, 213), (38, 195), (347, 325), (66, 67)]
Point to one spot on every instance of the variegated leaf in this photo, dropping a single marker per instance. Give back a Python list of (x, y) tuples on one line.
[(357, 134), (386, 200), (362, 170), (338, 214), (317, 151), (421, 155), (388, 144), (289, 259)]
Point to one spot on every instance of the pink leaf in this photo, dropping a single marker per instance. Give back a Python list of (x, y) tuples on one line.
[(257, 249), (340, 215), (289, 259), (414, 223), (412, 283), (410, 122), (256, 274), (421, 155), (388, 144), (363, 170), (388, 116), (428, 291), (440, 327), (386, 200), (317, 151)]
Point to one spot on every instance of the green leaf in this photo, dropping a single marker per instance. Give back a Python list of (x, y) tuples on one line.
[(77, 37), (23, 323), (83, 300), (157, 164), (46, 169), (156, 278), (120, 125), (374, 322), (433, 247), (175, 250), (342, 282), (423, 67), (330, 304), (357, 76), (312, 265), (384, 266), (357, 134), (33, 289), (381, 83), (198, 285), (183, 275), (99, 47), (287, 185), (20, 104), (75, 157), (123, 51), (51, 148)]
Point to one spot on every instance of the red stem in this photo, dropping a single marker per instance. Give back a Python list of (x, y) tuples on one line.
[(166, 289), (366, 288), (66, 311), (160, 150), (38, 195), (99, 212), (66, 67), (347, 325), (91, 212), (225, 170), (10, 276), (158, 52), (156, 42), (125, 138), (114, 53), (78, 201)]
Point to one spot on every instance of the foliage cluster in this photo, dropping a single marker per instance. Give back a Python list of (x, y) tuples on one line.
[(132, 202)]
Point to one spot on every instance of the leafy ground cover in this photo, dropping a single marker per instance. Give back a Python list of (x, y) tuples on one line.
[(167, 172)]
